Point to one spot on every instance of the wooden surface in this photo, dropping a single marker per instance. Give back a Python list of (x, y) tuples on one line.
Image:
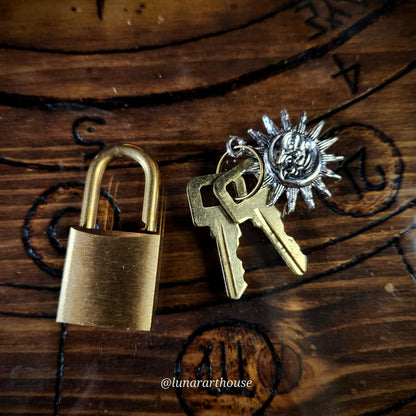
[(178, 77)]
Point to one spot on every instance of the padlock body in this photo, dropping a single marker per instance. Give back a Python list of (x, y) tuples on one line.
[(109, 279)]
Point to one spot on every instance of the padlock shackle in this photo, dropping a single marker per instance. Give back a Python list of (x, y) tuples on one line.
[(95, 175)]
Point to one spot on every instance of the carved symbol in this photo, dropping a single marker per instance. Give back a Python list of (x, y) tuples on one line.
[(33, 238), (205, 364), (352, 83), (332, 12), (331, 18), (361, 155), (205, 368), (52, 233), (230, 351), (310, 21), (85, 142), (100, 7), (375, 179), (404, 259), (359, 2)]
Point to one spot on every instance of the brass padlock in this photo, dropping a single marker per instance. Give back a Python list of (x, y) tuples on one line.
[(110, 277)]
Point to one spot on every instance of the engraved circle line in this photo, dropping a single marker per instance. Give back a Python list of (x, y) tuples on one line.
[(221, 88), (26, 233), (178, 42), (227, 323)]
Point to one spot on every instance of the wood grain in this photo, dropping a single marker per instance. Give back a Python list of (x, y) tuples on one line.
[(177, 78)]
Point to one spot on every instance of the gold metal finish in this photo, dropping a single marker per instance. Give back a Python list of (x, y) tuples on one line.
[(267, 218), (95, 175), (110, 277), (261, 168), (226, 232)]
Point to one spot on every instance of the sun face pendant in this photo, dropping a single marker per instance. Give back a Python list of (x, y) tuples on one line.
[(294, 160)]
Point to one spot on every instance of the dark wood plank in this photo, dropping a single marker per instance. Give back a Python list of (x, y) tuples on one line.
[(177, 81)]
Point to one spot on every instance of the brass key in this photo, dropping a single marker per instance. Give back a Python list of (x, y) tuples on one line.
[(226, 232), (267, 218)]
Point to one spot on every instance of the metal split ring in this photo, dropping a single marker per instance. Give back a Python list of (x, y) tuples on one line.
[(231, 149), (259, 159)]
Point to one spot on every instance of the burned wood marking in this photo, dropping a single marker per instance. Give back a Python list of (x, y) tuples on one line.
[(351, 82), (228, 354)]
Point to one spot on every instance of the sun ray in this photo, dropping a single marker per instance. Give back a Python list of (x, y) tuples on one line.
[(261, 151), (330, 173), (255, 168), (270, 126), (325, 144), (306, 192), (294, 160), (301, 127), (321, 187), (287, 126), (292, 196), (268, 180), (332, 158), (261, 138), (316, 131), (276, 194)]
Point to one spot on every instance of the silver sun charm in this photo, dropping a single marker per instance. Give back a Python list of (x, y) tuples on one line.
[(294, 159)]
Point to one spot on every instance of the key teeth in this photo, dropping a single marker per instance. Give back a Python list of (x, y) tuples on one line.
[(244, 286), (234, 287), (284, 244)]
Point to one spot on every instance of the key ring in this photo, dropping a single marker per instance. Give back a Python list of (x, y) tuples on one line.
[(261, 174)]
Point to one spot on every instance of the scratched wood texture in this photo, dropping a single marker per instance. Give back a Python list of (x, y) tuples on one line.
[(178, 77)]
